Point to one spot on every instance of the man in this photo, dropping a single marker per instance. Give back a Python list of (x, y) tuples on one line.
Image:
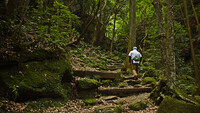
[(134, 60)]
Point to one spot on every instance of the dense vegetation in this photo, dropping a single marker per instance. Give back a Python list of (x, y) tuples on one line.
[(39, 32)]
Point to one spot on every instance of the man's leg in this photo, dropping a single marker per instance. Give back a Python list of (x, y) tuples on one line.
[(134, 70), (137, 70)]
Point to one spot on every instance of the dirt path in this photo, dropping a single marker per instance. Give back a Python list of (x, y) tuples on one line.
[(77, 106)]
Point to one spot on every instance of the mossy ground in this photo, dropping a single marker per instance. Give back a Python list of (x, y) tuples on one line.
[(170, 105), (149, 80), (88, 96), (140, 105)]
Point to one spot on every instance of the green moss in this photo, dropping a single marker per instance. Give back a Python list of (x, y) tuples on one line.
[(38, 80), (90, 101), (123, 84), (112, 109), (149, 80), (170, 105), (85, 83), (88, 96), (138, 106)]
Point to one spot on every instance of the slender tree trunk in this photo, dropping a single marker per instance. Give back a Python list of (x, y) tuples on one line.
[(132, 29), (87, 26), (195, 14), (192, 48), (111, 45), (132, 26), (3, 7), (170, 63), (98, 38), (162, 37)]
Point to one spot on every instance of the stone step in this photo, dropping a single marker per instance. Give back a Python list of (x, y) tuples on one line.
[(132, 82), (123, 91), (128, 77), (101, 74), (112, 68)]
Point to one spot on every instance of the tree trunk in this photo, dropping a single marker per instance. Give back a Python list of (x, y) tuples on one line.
[(132, 29), (111, 45), (162, 37), (87, 26), (132, 33), (170, 63), (3, 7), (195, 14), (192, 47), (99, 36)]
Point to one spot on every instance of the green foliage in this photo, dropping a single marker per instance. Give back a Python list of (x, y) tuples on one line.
[(55, 24), (187, 84)]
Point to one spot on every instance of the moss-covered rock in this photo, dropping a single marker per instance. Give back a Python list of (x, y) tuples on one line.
[(86, 83), (159, 90), (140, 105), (170, 105), (90, 101), (149, 80), (47, 79)]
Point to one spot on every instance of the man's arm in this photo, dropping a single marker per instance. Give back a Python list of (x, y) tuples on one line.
[(140, 59)]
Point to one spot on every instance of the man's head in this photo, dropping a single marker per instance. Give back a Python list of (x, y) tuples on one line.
[(134, 48)]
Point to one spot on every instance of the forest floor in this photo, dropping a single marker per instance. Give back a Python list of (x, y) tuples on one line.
[(78, 105)]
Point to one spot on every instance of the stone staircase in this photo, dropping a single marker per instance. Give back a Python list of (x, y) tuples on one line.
[(131, 87)]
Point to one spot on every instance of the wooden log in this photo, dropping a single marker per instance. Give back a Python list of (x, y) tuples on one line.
[(101, 74), (119, 91)]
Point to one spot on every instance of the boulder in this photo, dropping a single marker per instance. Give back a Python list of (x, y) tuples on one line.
[(39, 79), (171, 105), (86, 83)]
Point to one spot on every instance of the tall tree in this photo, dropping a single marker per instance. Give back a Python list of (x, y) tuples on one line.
[(192, 47), (170, 54), (132, 28), (112, 41), (195, 14), (161, 36)]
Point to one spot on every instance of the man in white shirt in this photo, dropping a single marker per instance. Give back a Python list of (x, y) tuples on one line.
[(134, 60)]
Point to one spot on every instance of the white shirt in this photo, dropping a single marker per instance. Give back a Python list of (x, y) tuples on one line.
[(133, 54)]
